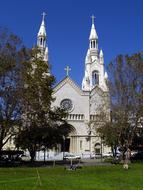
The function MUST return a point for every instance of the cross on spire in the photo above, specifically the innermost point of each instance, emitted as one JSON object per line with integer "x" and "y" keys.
{"x": 44, "y": 14}
{"x": 67, "y": 69}
{"x": 93, "y": 18}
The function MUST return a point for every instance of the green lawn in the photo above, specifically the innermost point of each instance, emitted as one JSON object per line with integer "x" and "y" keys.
{"x": 87, "y": 178}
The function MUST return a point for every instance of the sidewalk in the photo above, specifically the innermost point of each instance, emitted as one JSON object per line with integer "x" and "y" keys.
{"x": 93, "y": 162}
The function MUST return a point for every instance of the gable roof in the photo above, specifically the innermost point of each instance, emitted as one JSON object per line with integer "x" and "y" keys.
{"x": 68, "y": 80}
{"x": 99, "y": 90}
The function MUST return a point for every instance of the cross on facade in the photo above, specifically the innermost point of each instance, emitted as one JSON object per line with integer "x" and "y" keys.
{"x": 44, "y": 14}
{"x": 93, "y": 18}
{"x": 67, "y": 69}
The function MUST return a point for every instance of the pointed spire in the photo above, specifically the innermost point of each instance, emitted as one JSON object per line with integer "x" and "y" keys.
{"x": 42, "y": 30}
{"x": 101, "y": 53}
{"x": 101, "y": 57}
{"x": 41, "y": 37}
{"x": 93, "y": 33}
{"x": 106, "y": 75}
{"x": 46, "y": 54}
{"x": 88, "y": 58}
{"x": 42, "y": 44}
{"x": 94, "y": 63}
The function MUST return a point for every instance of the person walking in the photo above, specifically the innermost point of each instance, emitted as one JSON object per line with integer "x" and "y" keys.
{"x": 126, "y": 159}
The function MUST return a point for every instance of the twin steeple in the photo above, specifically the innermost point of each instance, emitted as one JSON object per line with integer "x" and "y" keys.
{"x": 42, "y": 39}
{"x": 94, "y": 63}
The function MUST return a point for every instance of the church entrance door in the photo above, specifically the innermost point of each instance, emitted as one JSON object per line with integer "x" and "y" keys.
{"x": 65, "y": 146}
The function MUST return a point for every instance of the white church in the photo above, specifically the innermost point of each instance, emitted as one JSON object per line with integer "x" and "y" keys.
{"x": 82, "y": 103}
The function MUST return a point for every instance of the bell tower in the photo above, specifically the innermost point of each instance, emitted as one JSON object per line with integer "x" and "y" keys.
{"x": 42, "y": 39}
{"x": 94, "y": 63}
{"x": 93, "y": 40}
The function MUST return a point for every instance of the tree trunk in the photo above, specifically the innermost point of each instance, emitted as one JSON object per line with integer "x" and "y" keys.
{"x": 1, "y": 138}
{"x": 32, "y": 155}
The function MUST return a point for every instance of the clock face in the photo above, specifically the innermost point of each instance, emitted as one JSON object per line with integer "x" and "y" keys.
{"x": 66, "y": 104}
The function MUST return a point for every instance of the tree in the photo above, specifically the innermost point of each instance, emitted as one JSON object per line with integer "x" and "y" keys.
{"x": 26, "y": 95}
{"x": 43, "y": 126}
{"x": 109, "y": 134}
{"x": 137, "y": 143}
{"x": 11, "y": 56}
{"x": 126, "y": 92}
{"x": 35, "y": 138}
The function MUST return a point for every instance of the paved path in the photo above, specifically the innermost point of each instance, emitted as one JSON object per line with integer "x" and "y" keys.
{"x": 93, "y": 162}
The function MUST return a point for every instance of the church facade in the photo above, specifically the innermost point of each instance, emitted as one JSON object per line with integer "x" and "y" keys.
{"x": 82, "y": 103}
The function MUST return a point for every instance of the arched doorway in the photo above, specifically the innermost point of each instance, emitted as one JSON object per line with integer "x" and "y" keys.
{"x": 97, "y": 148}
{"x": 67, "y": 144}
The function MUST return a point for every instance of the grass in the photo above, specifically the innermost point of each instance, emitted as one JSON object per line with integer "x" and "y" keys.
{"x": 87, "y": 178}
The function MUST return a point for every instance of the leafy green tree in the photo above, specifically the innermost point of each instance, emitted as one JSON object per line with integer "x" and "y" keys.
{"x": 109, "y": 134}
{"x": 43, "y": 125}
{"x": 11, "y": 56}
{"x": 35, "y": 138}
{"x": 126, "y": 92}
{"x": 137, "y": 143}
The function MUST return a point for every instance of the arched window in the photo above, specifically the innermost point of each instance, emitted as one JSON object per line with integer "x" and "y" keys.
{"x": 41, "y": 41}
{"x": 93, "y": 44}
{"x": 95, "y": 77}
{"x": 97, "y": 148}
{"x": 97, "y": 44}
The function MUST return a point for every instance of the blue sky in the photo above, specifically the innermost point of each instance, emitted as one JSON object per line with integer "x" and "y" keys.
{"x": 119, "y": 24}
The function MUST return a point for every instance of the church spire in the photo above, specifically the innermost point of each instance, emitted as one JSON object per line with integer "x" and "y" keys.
{"x": 93, "y": 33}
{"x": 93, "y": 38}
{"x": 41, "y": 39}
{"x": 101, "y": 57}
{"x": 94, "y": 63}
